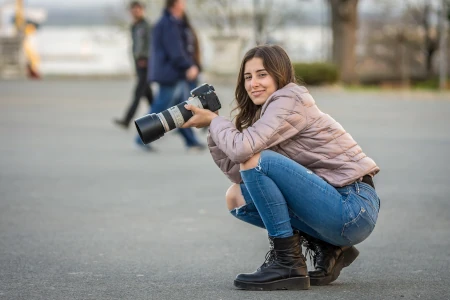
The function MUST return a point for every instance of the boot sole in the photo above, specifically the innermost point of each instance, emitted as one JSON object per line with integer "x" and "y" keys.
{"x": 345, "y": 260}
{"x": 295, "y": 283}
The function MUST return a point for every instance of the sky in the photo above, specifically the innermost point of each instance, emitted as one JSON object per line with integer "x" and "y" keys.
{"x": 365, "y": 5}
{"x": 87, "y": 3}
{"x": 70, "y": 2}
{"x": 66, "y": 3}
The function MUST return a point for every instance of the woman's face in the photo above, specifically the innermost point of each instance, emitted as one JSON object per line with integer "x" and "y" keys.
{"x": 180, "y": 5}
{"x": 258, "y": 83}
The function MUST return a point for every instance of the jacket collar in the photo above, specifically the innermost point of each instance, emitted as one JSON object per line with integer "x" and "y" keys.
{"x": 167, "y": 14}
{"x": 289, "y": 87}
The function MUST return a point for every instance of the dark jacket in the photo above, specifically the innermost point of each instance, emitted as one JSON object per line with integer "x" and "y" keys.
{"x": 140, "y": 35}
{"x": 169, "y": 52}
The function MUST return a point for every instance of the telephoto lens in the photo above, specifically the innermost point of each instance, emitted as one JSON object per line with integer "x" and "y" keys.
{"x": 153, "y": 126}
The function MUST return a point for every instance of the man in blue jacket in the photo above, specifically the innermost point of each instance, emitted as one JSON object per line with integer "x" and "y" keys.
{"x": 172, "y": 64}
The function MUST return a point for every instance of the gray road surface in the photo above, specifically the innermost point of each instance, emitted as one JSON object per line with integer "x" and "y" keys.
{"x": 85, "y": 215}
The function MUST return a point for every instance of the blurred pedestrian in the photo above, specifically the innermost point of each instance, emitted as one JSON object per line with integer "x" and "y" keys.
{"x": 140, "y": 34}
{"x": 296, "y": 172}
{"x": 31, "y": 54}
{"x": 175, "y": 64}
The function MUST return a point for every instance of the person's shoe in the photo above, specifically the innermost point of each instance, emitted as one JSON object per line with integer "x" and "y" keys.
{"x": 145, "y": 147}
{"x": 328, "y": 260}
{"x": 121, "y": 123}
{"x": 196, "y": 148}
{"x": 284, "y": 268}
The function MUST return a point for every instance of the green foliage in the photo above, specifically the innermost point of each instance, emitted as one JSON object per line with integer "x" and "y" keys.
{"x": 316, "y": 73}
{"x": 448, "y": 10}
{"x": 429, "y": 84}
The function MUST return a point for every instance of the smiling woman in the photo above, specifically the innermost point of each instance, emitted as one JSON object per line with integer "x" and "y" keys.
{"x": 258, "y": 82}
{"x": 263, "y": 71}
{"x": 296, "y": 172}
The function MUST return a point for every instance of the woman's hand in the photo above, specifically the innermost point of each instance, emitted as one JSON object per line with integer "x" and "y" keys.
{"x": 201, "y": 118}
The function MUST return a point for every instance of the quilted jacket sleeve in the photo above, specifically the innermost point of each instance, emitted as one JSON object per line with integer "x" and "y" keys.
{"x": 283, "y": 118}
{"x": 229, "y": 168}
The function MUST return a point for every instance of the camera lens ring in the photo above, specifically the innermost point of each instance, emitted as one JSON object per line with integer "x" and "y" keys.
{"x": 176, "y": 116}
{"x": 164, "y": 122}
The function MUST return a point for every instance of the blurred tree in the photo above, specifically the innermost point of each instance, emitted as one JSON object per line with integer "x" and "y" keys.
{"x": 393, "y": 54}
{"x": 426, "y": 17}
{"x": 222, "y": 15}
{"x": 231, "y": 17}
{"x": 269, "y": 16}
{"x": 443, "y": 44}
{"x": 261, "y": 13}
{"x": 392, "y": 47}
{"x": 239, "y": 24}
{"x": 400, "y": 42}
{"x": 344, "y": 22}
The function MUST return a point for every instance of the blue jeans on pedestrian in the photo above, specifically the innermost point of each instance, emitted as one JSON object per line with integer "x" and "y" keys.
{"x": 282, "y": 195}
{"x": 168, "y": 96}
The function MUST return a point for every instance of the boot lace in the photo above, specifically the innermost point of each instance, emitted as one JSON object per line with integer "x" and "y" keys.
{"x": 272, "y": 258}
{"x": 311, "y": 251}
{"x": 316, "y": 251}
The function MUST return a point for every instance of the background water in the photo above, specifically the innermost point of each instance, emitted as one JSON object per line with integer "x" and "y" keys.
{"x": 105, "y": 50}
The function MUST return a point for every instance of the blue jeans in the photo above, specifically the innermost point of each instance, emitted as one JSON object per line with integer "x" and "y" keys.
{"x": 168, "y": 96}
{"x": 282, "y": 195}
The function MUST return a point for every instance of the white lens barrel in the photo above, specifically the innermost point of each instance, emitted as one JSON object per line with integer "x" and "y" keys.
{"x": 176, "y": 116}
{"x": 195, "y": 102}
{"x": 163, "y": 122}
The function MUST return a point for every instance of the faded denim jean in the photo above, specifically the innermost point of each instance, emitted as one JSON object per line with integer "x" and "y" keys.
{"x": 282, "y": 195}
{"x": 168, "y": 96}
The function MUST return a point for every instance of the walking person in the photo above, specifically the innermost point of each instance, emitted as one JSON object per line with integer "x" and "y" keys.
{"x": 140, "y": 34}
{"x": 174, "y": 64}
{"x": 296, "y": 172}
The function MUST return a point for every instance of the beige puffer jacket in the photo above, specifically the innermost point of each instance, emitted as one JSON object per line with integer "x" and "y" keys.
{"x": 292, "y": 125}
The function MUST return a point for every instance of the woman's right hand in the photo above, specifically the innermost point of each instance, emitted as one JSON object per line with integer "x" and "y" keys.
{"x": 201, "y": 117}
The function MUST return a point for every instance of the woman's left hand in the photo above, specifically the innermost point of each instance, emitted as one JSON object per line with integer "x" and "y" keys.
{"x": 201, "y": 118}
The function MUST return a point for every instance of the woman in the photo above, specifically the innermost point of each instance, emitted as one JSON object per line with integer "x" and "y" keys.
{"x": 296, "y": 173}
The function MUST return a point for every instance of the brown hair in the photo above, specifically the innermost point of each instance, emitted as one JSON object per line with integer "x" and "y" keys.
{"x": 170, "y": 3}
{"x": 196, "y": 44}
{"x": 134, "y": 4}
{"x": 277, "y": 64}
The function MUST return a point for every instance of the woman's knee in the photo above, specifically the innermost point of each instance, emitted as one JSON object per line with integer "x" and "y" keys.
{"x": 251, "y": 163}
{"x": 234, "y": 197}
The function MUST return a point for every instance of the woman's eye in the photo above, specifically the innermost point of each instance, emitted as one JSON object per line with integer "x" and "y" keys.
{"x": 262, "y": 75}
{"x": 247, "y": 77}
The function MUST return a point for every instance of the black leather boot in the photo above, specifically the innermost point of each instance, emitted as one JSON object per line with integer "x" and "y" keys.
{"x": 284, "y": 268}
{"x": 328, "y": 260}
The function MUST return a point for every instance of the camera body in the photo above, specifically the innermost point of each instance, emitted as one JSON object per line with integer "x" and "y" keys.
{"x": 207, "y": 96}
{"x": 153, "y": 126}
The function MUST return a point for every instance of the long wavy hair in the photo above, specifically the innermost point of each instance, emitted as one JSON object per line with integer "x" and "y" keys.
{"x": 196, "y": 44}
{"x": 277, "y": 64}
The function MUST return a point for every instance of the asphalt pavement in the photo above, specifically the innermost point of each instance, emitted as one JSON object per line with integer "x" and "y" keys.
{"x": 84, "y": 214}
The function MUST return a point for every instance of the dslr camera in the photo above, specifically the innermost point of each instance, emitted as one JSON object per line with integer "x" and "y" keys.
{"x": 153, "y": 126}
